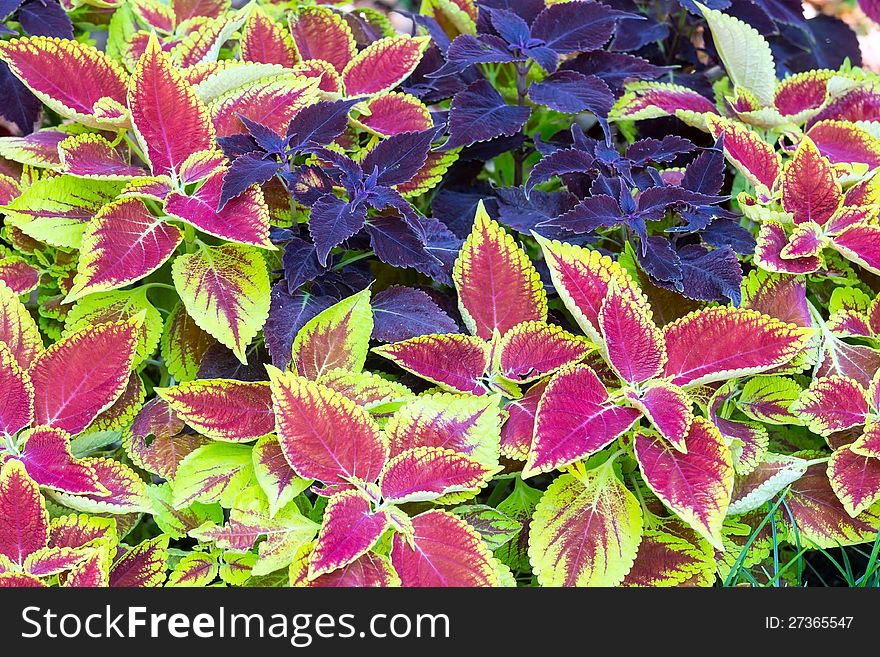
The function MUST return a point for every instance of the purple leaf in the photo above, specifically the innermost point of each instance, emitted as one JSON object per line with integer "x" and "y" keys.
{"x": 444, "y": 245}
{"x": 588, "y": 215}
{"x": 567, "y": 28}
{"x": 657, "y": 150}
{"x": 266, "y": 138}
{"x": 251, "y": 169}
{"x": 307, "y": 183}
{"x": 319, "y": 124}
{"x": 523, "y": 214}
{"x": 332, "y": 221}
{"x": 457, "y": 206}
{"x": 510, "y": 26}
{"x": 525, "y": 9}
{"x": 7, "y": 7}
{"x": 19, "y": 107}
{"x": 615, "y": 69}
{"x": 400, "y": 313}
{"x": 235, "y": 146}
{"x": 399, "y": 157}
{"x": 467, "y": 50}
{"x": 479, "y": 113}
{"x": 288, "y": 313}
{"x": 300, "y": 262}
{"x": 660, "y": 261}
{"x": 395, "y": 243}
{"x": 220, "y": 363}
{"x": 706, "y": 173}
{"x": 45, "y": 18}
{"x": 710, "y": 275}
{"x": 728, "y": 232}
{"x": 559, "y": 163}
{"x": 571, "y": 92}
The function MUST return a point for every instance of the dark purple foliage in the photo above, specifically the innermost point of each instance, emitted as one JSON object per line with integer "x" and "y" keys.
{"x": 400, "y": 313}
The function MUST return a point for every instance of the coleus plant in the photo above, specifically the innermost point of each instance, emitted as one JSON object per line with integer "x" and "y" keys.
{"x": 219, "y": 188}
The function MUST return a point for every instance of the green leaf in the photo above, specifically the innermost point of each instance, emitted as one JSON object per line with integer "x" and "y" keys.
{"x": 745, "y": 53}
{"x": 211, "y": 473}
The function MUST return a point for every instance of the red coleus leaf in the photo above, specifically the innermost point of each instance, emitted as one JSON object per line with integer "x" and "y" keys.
{"x": 126, "y": 491}
{"x": 583, "y": 277}
{"x": 324, "y": 435}
{"x": 18, "y": 330}
{"x": 801, "y": 92}
{"x": 81, "y": 375}
{"x": 532, "y": 350}
{"x": 76, "y": 531}
{"x": 89, "y": 155}
{"x": 427, "y": 473}
{"x": 697, "y": 485}
{"x": 222, "y": 409}
{"x": 271, "y": 101}
{"x": 806, "y": 241}
{"x": 635, "y": 346}
{"x": 443, "y": 551}
{"x": 498, "y": 287}
{"x": 169, "y": 119}
{"x": 265, "y": 41}
{"x": 274, "y": 474}
{"x": 771, "y": 242}
{"x": 648, "y": 100}
{"x": 723, "y": 343}
{"x": 69, "y": 77}
{"x": 456, "y": 362}
{"x": 855, "y": 479}
{"x": 843, "y": 142}
{"x": 516, "y": 434}
{"x": 383, "y": 64}
{"x": 809, "y": 189}
{"x": 122, "y": 244}
{"x": 860, "y": 243}
{"x": 17, "y": 401}
{"x": 244, "y": 219}
{"x": 46, "y": 457}
{"x": 323, "y": 34}
{"x": 832, "y": 403}
{"x": 24, "y": 521}
{"x": 672, "y": 556}
{"x": 668, "y": 408}
{"x": 141, "y": 566}
{"x": 394, "y": 113}
{"x": 744, "y": 149}
{"x": 350, "y": 528}
{"x": 52, "y": 561}
{"x": 18, "y": 275}
{"x": 575, "y": 418}
{"x": 93, "y": 572}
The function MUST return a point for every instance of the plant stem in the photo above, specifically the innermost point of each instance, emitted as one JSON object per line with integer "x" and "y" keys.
{"x": 519, "y": 155}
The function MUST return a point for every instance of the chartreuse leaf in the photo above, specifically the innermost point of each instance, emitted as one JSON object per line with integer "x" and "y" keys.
{"x": 183, "y": 344}
{"x": 274, "y": 474}
{"x": 498, "y": 287}
{"x": 585, "y": 530}
{"x": 119, "y": 306}
{"x": 194, "y": 569}
{"x": 225, "y": 289}
{"x": 213, "y": 472}
{"x": 57, "y": 210}
{"x": 337, "y": 338}
{"x": 672, "y": 556}
{"x": 370, "y": 570}
{"x": 141, "y": 566}
{"x": 769, "y": 398}
{"x": 745, "y": 53}
{"x": 469, "y": 425}
{"x": 18, "y": 329}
